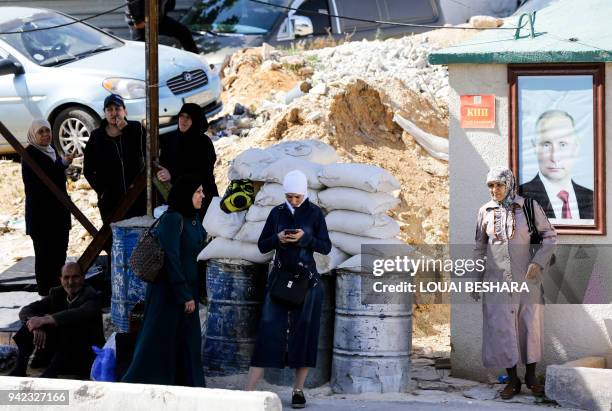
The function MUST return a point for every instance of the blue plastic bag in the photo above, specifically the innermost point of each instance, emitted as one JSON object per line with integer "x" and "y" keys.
{"x": 103, "y": 367}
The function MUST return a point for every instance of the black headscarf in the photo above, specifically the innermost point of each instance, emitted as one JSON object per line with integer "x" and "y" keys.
{"x": 181, "y": 195}
{"x": 199, "y": 123}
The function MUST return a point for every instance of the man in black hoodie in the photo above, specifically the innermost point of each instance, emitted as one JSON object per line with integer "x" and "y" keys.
{"x": 114, "y": 157}
{"x": 135, "y": 14}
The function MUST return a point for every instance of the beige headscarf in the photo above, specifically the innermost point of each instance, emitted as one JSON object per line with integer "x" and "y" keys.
{"x": 46, "y": 150}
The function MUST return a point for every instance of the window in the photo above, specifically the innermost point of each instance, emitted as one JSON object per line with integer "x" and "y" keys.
{"x": 369, "y": 10}
{"x": 415, "y": 11}
{"x": 320, "y": 22}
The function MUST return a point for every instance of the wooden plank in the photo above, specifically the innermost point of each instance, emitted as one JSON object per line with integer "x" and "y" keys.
{"x": 59, "y": 194}
{"x": 99, "y": 241}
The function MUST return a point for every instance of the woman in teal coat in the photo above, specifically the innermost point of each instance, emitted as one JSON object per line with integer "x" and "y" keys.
{"x": 169, "y": 344}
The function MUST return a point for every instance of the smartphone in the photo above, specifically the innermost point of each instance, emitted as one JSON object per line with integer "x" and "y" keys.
{"x": 291, "y": 231}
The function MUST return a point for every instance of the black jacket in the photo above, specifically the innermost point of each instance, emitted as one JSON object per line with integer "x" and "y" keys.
{"x": 112, "y": 164}
{"x": 310, "y": 219}
{"x": 43, "y": 210}
{"x": 182, "y": 155}
{"x": 83, "y": 314}
{"x": 535, "y": 189}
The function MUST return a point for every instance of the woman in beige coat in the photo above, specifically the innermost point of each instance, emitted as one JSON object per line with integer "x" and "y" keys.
{"x": 512, "y": 322}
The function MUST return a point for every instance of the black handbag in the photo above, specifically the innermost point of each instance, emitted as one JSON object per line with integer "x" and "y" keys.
{"x": 147, "y": 258}
{"x": 536, "y": 238}
{"x": 289, "y": 288}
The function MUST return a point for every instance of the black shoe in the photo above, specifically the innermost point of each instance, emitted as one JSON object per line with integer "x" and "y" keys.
{"x": 298, "y": 400}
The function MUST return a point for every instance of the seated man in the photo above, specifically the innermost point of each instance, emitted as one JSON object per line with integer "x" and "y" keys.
{"x": 64, "y": 325}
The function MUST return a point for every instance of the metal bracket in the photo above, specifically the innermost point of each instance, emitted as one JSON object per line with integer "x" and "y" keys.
{"x": 531, "y": 20}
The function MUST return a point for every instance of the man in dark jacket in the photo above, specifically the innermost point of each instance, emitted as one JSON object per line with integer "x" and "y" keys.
{"x": 64, "y": 325}
{"x": 167, "y": 25}
{"x": 114, "y": 157}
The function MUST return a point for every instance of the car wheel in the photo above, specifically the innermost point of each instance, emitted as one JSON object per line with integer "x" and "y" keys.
{"x": 72, "y": 128}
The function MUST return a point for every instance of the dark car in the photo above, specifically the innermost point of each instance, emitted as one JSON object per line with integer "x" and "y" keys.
{"x": 221, "y": 27}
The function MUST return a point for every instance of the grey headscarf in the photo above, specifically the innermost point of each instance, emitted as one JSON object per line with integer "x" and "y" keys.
{"x": 505, "y": 176}
{"x": 504, "y": 227}
{"x": 46, "y": 150}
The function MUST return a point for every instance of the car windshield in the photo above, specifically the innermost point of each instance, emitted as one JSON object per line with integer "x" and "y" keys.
{"x": 55, "y": 46}
{"x": 234, "y": 16}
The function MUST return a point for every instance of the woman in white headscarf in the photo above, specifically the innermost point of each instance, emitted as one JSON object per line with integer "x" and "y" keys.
{"x": 512, "y": 322}
{"x": 295, "y": 229}
{"x": 47, "y": 219}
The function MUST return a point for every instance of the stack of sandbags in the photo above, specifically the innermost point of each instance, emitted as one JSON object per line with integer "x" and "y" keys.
{"x": 224, "y": 228}
{"x": 356, "y": 201}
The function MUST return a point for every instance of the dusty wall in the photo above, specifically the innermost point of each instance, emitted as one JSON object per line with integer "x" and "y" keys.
{"x": 571, "y": 331}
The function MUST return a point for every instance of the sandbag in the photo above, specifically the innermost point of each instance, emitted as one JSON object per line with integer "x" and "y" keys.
{"x": 250, "y": 164}
{"x": 367, "y": 225}
{"x": 315, "y": 151}
{"x": 234, "y": 250}
{"x": 364, "y": 177}
{"x": 326, "y": 263}
{"x": 258, "y": 213}
{"x": 218, "y": 223}
{"x": 352, "y": 199}
{"x": 276, "y": 172}
{"x": 351, "y": 244}
{"x": 272, "y": 194}
{"x": 360, "y": 263}
{"x": 250, "y": 232}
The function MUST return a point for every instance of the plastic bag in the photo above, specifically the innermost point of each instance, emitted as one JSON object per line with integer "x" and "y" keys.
{"x": 103, "y": 367}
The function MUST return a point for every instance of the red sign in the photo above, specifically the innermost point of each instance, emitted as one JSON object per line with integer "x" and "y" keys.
{"x": 478, "y": 111}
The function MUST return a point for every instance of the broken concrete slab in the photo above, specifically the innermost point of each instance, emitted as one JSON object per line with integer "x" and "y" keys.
{"x": 481, "y": 393}
{"x": 459, "y": 383}
{"x": 433, "y": 385}
{"x": 425, "y": 374}
{"x": 580, "y": 387}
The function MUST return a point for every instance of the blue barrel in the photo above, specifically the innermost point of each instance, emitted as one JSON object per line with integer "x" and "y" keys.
{"x": 235, "y": 297}
{"x": 126, "y": 288}
{"x": 321, "y": 373}
{"x": 372, "y": 342}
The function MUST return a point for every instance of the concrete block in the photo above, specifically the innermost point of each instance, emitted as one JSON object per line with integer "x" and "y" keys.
{"x": 107, "y": 396}
{"x": 580, "y": 387}
{"x": 587, "y": 362}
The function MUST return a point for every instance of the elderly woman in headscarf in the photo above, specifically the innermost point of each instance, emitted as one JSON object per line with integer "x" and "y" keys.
{"x": 513, "y": 322}
{"x": 47, "y": 219}
{"x": 295, "y": 229}
{"x": 189, "y": 150}
{"x": 169, "y": 343}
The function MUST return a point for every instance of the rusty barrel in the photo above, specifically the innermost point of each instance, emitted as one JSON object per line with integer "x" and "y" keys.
{"x": 372, "y": 342}
{"x": 235, "y": 297}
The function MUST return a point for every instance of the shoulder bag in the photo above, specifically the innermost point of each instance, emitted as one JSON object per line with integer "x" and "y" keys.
{"x": 289, "y": 288}
{"x": 147, "y": 258}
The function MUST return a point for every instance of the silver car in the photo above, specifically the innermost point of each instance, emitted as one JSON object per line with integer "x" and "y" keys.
{"x": 63, "y": 75}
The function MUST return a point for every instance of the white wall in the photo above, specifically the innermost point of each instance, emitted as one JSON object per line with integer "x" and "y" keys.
{"x": 571, "y": 331}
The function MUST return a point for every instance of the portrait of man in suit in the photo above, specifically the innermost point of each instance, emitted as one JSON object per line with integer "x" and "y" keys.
{"x": 557, "y": 145}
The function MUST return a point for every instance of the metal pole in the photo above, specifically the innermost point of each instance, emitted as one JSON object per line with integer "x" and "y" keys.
{"x": 152, "y": 79}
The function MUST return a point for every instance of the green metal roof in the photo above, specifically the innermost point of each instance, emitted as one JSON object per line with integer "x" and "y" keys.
{"x": 568, "y": 31}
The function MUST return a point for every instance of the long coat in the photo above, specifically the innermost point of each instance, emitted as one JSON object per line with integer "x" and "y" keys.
{"x": 43, "y": 210}
{"x": 512, "y": 323}
{"x": 169, "y": 344}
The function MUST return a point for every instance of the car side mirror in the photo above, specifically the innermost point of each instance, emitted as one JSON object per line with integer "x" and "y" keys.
{"x": 302, "y": 26}
{"x": 8, "y": 66}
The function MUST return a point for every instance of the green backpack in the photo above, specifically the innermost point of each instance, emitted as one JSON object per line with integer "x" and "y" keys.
{"x": 239, "y": 196}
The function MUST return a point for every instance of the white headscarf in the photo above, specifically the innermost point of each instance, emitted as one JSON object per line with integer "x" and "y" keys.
{"x": 295, "y": 182}
{"x": 46, "y": 150}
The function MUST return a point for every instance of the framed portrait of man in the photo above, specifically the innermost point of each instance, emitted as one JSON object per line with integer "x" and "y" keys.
{"x": 557, "y": 142}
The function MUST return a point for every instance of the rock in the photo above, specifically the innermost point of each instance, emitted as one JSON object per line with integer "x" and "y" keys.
{"x": 425, "y": 374}
{"x": 460, "y": 383}
{"x": 306, "y": 71}
{"x": 579, "y": 387}
{"x": 294, "y": 61}
{"x": 422, "y": 361}
{"x": 319, "y": 90}
{"x": 433, "y": 385}
{"x": 485, "y": 22}
{"x": 269, "y": 65}
{"x": 314, "y": 116}
{"x": 244, "y": 122}
{"x": 481, "y": 393}
{"x": 267, "y": 51}
{"x": 239, "y": 109}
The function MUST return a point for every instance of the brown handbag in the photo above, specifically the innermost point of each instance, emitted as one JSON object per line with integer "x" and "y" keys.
{"x": 147, "y": 258}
